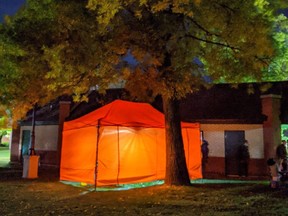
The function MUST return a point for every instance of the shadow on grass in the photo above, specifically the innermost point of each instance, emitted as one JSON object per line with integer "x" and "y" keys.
{"x": 281, "y": 192}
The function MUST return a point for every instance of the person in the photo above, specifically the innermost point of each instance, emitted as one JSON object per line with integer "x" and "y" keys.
{"x": 281, "y": 154}
{"x": 205, "y": 153}
{"x": 244, "y": 157}
{"x": 274, "y": 173}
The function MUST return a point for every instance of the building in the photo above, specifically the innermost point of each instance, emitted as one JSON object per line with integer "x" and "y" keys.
{"x": 227, "y": 117}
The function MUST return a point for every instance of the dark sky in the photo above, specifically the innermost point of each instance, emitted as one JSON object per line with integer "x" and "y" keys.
{"x": 9, "y": 7}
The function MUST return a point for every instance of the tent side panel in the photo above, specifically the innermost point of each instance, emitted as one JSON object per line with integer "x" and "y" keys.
{"x": 79, "y": 155}
{"x": 138, "y": 161}
{"x": 161, "y": 153}
{"x": 131, "y": 155}
{"x": 108, "y": 156}
{"x": 192, "y": 146}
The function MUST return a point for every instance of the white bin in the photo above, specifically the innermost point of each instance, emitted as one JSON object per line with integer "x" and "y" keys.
{"x": 30, "y": 166}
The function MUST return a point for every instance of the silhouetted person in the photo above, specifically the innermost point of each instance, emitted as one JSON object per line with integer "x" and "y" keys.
{"x": 205, "y": 153}
{"x": 281, "y": 154}
{"x": 244, "y": 158}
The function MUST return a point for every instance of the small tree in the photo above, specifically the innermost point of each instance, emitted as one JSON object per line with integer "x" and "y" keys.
{"x": 2, "y": 134}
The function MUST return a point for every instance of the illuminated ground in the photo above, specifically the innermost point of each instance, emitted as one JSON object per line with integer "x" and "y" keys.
{"x": 48, "y": 196}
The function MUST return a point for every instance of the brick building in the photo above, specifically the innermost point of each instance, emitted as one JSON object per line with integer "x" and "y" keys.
{"x": 227, "y": 117}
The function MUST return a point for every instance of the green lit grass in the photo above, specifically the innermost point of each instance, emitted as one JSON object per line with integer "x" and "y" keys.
{"x": 90, "y": 187}
{"x": 4, "y": 156}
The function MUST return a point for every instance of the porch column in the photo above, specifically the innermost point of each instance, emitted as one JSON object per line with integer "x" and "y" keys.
{"x": 272, "y": 126}
{"x": 64, "y": 111}
{"x": 15, "y": 147}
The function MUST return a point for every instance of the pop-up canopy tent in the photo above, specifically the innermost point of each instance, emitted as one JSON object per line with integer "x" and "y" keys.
{"x": 122, "y": 142}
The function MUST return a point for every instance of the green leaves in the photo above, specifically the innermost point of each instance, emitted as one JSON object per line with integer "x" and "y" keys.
{"x": 231, "y": 39}
{"x": 106, "y": 9}
{"x": 278, "y": 68}
{"x": 42, "y": 53}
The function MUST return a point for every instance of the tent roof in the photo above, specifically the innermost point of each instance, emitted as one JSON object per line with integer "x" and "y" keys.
{"x": 122, "y": 113}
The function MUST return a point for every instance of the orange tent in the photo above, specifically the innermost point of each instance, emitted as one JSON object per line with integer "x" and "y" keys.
{"x": 122, "y": 142}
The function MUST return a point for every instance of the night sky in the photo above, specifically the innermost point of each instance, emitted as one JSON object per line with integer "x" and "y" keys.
{"x": 9, "y": 7}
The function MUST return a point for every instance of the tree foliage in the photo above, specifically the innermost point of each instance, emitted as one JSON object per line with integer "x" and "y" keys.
{"x": 23, "y": 86}
{"x": 278, "y": 68}
{"x": 55, "y": 47}
{"x": 51, "y": 48}
{"x": 224, "y": 41}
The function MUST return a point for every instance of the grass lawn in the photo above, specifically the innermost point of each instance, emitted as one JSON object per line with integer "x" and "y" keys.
{"x": 47, "y": 196}
{"x": 4, "y": 156}
{"x": 44, "y": 196}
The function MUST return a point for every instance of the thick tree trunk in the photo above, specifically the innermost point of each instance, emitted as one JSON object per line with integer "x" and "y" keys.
{"x": 176, "y": 168}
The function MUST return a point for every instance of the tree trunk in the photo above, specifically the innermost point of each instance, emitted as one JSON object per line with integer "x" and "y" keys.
{"x": 176, "y": 167}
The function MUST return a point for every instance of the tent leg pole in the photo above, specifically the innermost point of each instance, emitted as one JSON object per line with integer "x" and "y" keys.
{"x": 118, "y": 137}
{"x": 96, "y": 163}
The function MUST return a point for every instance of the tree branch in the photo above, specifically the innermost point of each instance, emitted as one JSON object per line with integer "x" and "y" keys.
{"x": 201, "y": 27}
{"x": 265, "y": 61}
{"x": 227, "y": 8}
{"x": 213, "y": 42}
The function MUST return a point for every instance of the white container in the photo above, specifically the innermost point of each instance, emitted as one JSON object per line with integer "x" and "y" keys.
{"x": 30, "y": 166}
